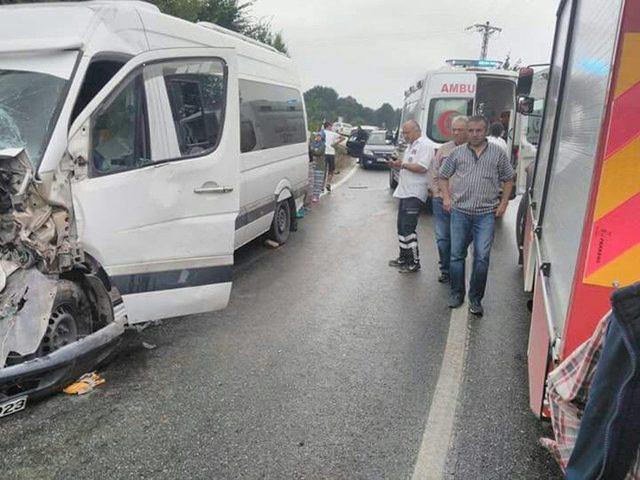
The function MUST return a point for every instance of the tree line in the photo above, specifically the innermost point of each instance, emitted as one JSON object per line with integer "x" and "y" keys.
{"x": 324, "y": 104}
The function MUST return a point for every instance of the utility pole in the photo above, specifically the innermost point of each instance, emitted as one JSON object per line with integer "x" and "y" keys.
{"x": 486, "y": 29}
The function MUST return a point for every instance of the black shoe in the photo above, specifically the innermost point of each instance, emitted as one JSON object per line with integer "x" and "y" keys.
{"x": 409, "y": 268}
{"x": 475, "y": 308}
{"x": 455, "y": 302}
{"x": 443, "y": 277}
{"x": 397, "y": 262}
{"x": 328, "y": 187}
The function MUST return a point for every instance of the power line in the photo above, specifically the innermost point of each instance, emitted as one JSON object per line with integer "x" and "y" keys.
{"x": 486, "y": 29}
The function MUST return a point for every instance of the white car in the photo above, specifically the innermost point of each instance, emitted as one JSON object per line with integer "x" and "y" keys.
{"x": 342, "y": 128}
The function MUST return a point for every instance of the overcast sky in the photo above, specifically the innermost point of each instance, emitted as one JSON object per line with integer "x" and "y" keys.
{"x": 374, "y": 49}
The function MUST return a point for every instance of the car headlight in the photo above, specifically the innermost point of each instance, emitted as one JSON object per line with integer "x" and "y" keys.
{"x": 367, "y": 151}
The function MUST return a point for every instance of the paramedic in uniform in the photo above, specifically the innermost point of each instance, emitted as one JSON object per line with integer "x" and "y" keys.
{"x": 413, "y": 184}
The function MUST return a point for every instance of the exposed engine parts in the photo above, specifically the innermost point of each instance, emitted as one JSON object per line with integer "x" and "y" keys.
{"x": 33, "y": 231}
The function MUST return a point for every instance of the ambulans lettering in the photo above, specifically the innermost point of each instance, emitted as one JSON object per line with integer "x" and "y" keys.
{"x": 469, "y": 88}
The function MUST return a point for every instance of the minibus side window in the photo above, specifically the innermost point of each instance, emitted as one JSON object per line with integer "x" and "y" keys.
{"x": 119, "y": 133}
{"x": 270, "y": 116}
{"x": 441, "y": 112}
{"x": 97, "y": 76}
{"x": 196, "y": 92}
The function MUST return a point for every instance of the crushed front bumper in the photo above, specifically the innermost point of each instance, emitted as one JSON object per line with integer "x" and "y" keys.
{"x": 45, "y": 375}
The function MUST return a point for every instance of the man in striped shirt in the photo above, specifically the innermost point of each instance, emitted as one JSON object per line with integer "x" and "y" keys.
{"x": 478, "y": 170}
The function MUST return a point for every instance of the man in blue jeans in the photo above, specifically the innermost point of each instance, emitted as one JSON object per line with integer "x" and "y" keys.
{"x": 478, "y": 170}
{"x": 441, "y": 217}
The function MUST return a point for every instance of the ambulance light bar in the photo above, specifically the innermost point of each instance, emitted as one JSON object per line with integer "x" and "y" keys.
{"x": 474, "y": 63}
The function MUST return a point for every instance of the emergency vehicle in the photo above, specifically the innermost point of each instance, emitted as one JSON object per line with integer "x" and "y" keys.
{"x": 582, "y": 235}
{"x": 462, "y": 87}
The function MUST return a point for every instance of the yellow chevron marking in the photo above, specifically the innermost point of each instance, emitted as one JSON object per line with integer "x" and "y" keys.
{"x": 620, "y": 179}
{"x": 629, "y": 73}
{"x": 623, "y": 270}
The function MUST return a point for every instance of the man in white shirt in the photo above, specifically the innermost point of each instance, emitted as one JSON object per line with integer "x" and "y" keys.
{"x": 331, "y": 138}
{"x": 413, "y": 184}
{"x": 495, "y": 136}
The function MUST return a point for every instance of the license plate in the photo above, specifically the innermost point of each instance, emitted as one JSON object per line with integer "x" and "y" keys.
{"x": 13, "y": 406}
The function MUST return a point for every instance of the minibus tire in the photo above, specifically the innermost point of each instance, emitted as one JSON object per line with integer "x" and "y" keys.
{"x": 70, "y": 318}
{"x": 281, "y": 224}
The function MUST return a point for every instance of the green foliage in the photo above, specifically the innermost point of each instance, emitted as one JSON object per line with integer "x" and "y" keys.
{"x": 232, "y": 14}
{"x": 323, "y": 103}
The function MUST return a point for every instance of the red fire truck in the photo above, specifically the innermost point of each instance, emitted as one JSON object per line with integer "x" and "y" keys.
{"x": 582, "y": 226}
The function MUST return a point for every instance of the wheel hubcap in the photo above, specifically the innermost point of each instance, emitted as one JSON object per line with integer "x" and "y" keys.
{"x": 62, "y": 330}
{"x": 282, "y": 219}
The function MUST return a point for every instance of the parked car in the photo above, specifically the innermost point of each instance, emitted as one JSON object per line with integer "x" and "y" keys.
{"x": 377, "y": 150}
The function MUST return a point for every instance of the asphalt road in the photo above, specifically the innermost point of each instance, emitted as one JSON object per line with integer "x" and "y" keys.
{"x": 323, "y": 366}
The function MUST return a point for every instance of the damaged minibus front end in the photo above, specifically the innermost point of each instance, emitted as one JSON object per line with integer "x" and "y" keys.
{"x": 56, "y": 310}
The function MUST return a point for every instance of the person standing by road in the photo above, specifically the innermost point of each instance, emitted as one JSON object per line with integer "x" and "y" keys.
{"x": 477, "y": 170}
{"x": 331, "y": 138}
{"x": 442, "y": 218}
{"x": 317, "y": 167}
{"x": 413, "y": 184}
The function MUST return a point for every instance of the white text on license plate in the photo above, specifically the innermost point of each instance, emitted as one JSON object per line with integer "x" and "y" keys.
{"x": 12, "y": 406}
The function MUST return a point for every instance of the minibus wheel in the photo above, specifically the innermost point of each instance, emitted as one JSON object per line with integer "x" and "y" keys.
{"x": 70, "y": 318}
{"x": 281, "y": 225}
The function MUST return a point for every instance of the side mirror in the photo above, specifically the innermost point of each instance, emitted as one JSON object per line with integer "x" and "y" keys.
{"x": 525, "y": 105}
{"x": 525, "y": 81}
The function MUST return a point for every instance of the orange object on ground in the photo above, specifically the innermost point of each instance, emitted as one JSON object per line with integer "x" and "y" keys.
{"x": 84, "y": 384}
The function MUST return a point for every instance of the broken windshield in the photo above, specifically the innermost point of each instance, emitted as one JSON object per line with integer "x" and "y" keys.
{"x": 31, "y": 89}
{"x": 28, "y": 105}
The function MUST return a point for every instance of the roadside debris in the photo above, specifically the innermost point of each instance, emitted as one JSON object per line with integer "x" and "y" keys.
{"x": 85, "y": 384}
{"x": 271, "y": 244}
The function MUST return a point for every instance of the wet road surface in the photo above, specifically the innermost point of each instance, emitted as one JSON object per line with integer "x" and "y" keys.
{"x": 323, "y": 366}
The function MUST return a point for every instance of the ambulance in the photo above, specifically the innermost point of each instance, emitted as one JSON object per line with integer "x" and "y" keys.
{"x": 462, "y": 87}
{"x": 582, "y": 228}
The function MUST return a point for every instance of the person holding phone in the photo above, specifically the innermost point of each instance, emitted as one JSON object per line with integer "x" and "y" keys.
{"x": 413, "y": 184}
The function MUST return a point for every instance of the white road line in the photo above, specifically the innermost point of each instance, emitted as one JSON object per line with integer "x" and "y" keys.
{"x": 344, "y": 179}
{"x": 438, "y": 432}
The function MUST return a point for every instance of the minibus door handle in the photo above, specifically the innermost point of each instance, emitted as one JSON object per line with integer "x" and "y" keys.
{"x": 212, "y": 187}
